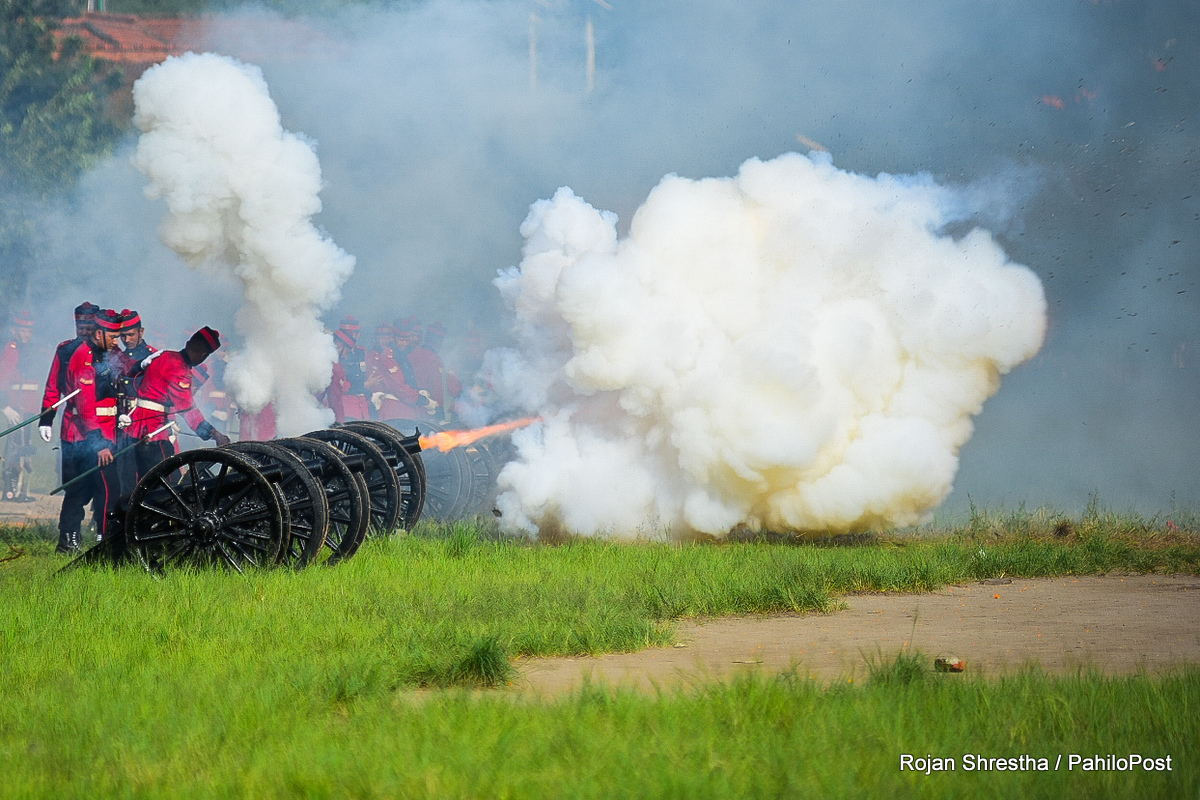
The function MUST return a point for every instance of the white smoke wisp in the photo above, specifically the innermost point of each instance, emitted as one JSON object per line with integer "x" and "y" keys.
{"x": 796, "y": 348}
{"x": 240, "y": 193}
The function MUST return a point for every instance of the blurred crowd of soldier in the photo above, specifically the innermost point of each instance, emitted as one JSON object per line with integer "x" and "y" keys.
{"x": 121, "y": 400}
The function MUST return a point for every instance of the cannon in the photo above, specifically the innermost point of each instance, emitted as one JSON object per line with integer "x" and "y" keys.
{"x": 287, "y": 502}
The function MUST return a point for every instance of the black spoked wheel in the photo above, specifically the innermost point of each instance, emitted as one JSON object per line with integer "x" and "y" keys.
{"x": 382, "y": 485}
{"x": 348, "y": 511}
{"x": 445, "y": 472}
{"x": 460, "y": 480}
{"x": 410, "y": 473}
{"x": 303, "y": 496}
{"x": 481, "y": 477}
{"x": 202, "y": 508}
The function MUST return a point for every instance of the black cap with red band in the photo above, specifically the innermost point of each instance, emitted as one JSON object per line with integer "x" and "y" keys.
{"x": 109, "y": 320}
{"x": 86, "y": 312}
{"x": 206, "y": 338}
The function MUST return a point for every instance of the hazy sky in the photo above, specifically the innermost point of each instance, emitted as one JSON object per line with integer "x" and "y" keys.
{"x": 1070, "y": 121}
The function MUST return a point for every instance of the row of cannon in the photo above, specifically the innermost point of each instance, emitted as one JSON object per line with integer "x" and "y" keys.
{"x": 290, "y": 502}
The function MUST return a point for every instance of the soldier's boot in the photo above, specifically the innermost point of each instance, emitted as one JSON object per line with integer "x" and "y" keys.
{"x": 68, "y": 543}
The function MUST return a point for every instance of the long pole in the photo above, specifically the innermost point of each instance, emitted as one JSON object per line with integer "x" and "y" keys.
{"x": 589, "y": 36}
{"x": 38, "y": 416}
{"x": 124, "y": 449}
{"x": 533, "y": 65}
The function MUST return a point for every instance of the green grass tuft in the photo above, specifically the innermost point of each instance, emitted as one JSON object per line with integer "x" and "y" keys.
{"x": 904, "y": 669}
{"x": 485, "y": 664}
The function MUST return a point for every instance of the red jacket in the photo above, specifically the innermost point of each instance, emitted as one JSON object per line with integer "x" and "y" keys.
{"x": 432, "y": 376}
{"x": 90, "y": 415}
{"x": 164, "y": 393}
{"x": 57, "y": 380}
{"x": 340, "y": 398}
{"x": 15, "y": 389}
{"x": 390, "y": 393}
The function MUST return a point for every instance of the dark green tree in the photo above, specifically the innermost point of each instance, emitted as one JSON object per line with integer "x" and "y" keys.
{"x": 53, "y": 125}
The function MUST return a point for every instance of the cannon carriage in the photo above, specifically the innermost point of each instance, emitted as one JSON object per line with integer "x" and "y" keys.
{"x": 288, "y": 502}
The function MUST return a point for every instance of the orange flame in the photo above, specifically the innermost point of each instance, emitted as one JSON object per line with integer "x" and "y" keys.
{"x": 448, "y": 440}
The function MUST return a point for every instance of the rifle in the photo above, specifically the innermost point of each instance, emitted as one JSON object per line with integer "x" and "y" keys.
{"x": 123, "y": 450}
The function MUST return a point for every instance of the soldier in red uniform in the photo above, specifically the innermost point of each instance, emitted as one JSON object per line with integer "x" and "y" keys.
{"x": 133, "y": 336}
{"x": 76, "y": 496}
{"x": 127, "y": 374}
{"x": 432, "y": 376}
{"x": 19, "y": 398}
{"x": 347, "y": 400}
{"x": 390, "y": 380}
{"x": 85, "y": 322}
{"x": 90, "y": 429}
{"x": 353, "y": 359}
{"x": 165, "y": 391}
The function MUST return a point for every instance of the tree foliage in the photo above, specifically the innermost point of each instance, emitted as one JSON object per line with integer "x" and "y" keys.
{"x": 53, "y": 122}
{"x": 53, "y": 126}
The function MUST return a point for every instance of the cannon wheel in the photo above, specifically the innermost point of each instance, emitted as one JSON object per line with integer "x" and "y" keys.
{"x": 382, "y": 485}
{"x": 410, "y": 471}
{"x": 303, "y": 496}
{"x": 344, "y": 491}
{"x": 204, "y": 507}
{"x": 460, "y": 480}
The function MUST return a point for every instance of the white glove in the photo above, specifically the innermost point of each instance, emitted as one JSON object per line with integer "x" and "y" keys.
{"x": 14, "y": 418}
{"x": 146, "y": 361}
{"x": 46, "y": 431}
{"x": 124, "y": 421}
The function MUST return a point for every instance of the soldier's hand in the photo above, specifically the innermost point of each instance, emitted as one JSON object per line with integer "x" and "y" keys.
{"x": 146, "y": 361}
{"x": 220, "y": 438}
{"x": 106, "y": 457}
{"x": 124, "y": 421}
{"x": 430, "y": 404}
{"x": 14, "y": 417}
{"x": 46, "y": 431}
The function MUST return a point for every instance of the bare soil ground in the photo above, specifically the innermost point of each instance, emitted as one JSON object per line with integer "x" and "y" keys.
{"x": 43, "y": 509}
{"x": 1113, "y": 623}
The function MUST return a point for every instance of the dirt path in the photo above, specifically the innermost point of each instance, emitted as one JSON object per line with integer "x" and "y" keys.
{"x": 1114, "y": 623}
{"x": 42, "y": 510}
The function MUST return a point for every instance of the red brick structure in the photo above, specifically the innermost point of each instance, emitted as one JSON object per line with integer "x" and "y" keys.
{"x": 138, "y": 42}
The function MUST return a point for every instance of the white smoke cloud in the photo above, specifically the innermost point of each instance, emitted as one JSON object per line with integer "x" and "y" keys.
{"x": 240, "y": 193}
{"x": 798, "y": 347}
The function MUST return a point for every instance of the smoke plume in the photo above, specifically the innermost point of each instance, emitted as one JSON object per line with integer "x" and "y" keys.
{"x": 240, "y": 193}
{"x": 798, "y": 347}
{"x": 438, "y": 129}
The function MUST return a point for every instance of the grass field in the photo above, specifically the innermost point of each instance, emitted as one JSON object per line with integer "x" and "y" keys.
{"x": 278, "y": 684}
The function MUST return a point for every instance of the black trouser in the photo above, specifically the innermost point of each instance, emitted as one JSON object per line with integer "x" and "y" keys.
{"x": 139, "y": 459}
{"x": 148, "y": 455}
{"x": 78, "y": 494}
{"x": 102, "y": 487}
